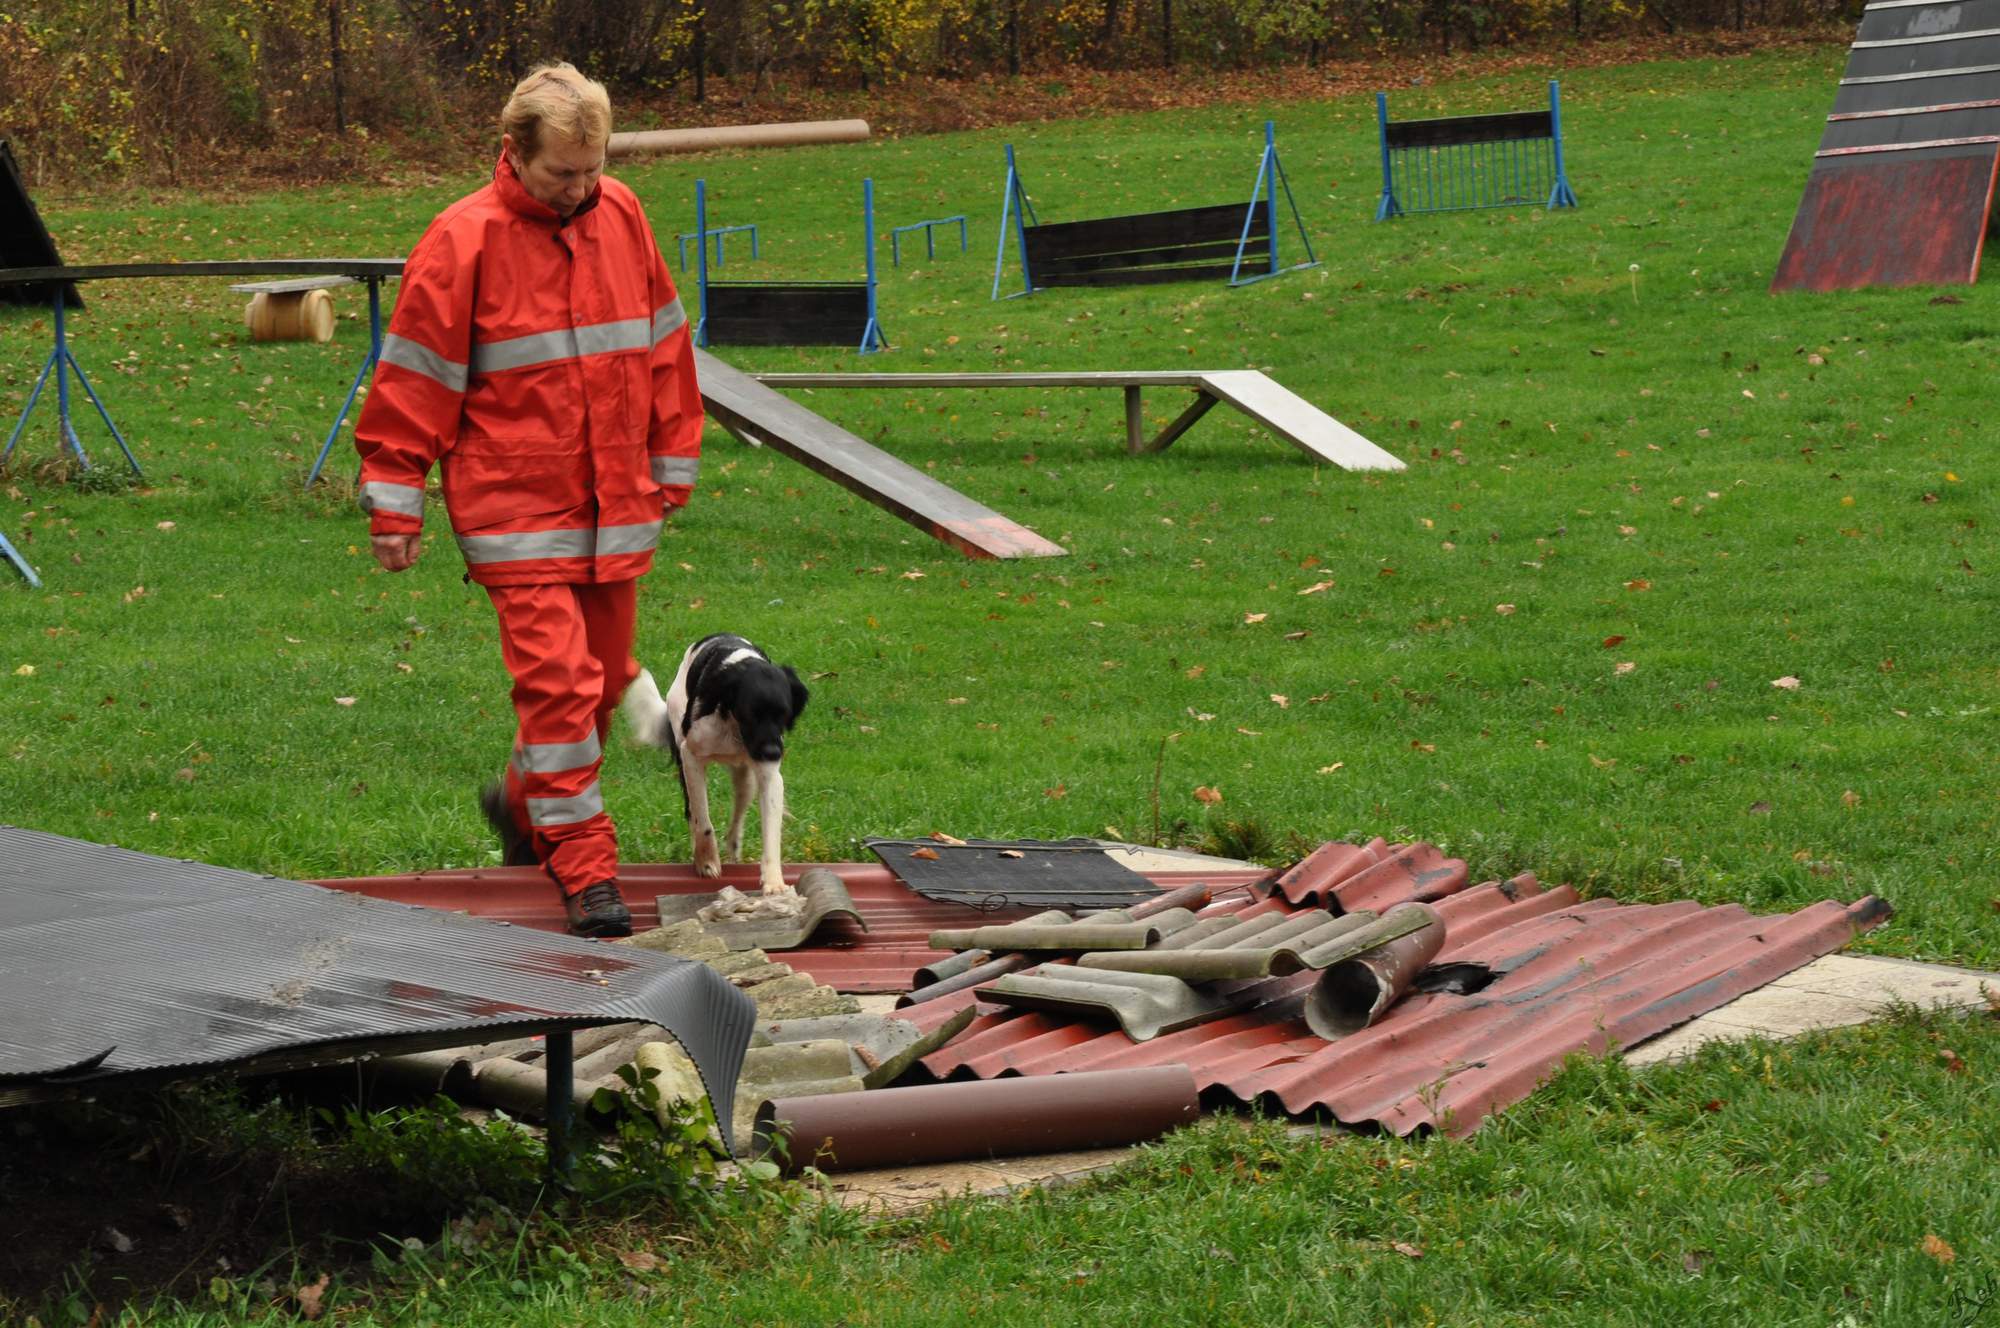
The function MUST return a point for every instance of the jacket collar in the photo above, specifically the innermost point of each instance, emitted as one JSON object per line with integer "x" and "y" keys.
{"x": 518, "y": 200}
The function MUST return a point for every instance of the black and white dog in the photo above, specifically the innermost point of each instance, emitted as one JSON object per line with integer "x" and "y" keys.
{"x": 728, "y": 704}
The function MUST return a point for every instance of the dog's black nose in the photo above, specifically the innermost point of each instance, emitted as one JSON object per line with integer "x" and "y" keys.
{"x": 769, "y": 751}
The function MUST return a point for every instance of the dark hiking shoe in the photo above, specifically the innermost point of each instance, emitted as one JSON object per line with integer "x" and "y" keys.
{"x": 516, "y": 849}
{"x": 598, "y": 910}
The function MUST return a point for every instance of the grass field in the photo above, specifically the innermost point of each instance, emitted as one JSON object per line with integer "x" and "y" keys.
{"x": 1640, "y": 491}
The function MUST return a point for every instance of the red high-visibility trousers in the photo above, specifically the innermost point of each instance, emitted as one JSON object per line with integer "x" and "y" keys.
{"x": 569, "y": 651}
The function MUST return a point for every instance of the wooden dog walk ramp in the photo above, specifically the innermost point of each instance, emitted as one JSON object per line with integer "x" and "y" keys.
{"x": 1271, "y": 404}
{"x": 758, "y": 415}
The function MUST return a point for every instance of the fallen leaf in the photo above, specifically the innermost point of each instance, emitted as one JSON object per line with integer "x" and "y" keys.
{"x": 1255, "y": 617}
{"x": 1010, "y": 853}
{"x": 1208, "y": 795}
{"x": 1760, "y": 808}
{"x": 25, "y": 671}
{"x": 955, "y": 700}
{"x": 1639, "y": 583}
{"x": 1612, "y": 642}
{"x": 1059, "y": 791}
{"x": 1418, "y": 745}
{"x": 1850, "y": 799}
{"x": 943, "y": 838}
{"x": 927, "y": 854}
{"x": 1787, "y": 683}
{"x": 1329, "y": 769}
{"x": 1713, "y": 1104}
{"x": 1628, "y": 530}
{"x": 1600, "y": 762}
{"x": 1503, "y": 609}
{"x": 1297, "y": 636}
{"x": 639, "y": 1261}
{"x": 1197, "y": 670}
{"x": 913, "y": 575}
{"x": 1407, "y": 1250}
{"x": 311, "y": 1297}
{"x": 136, "y": 592}
{"x": 1201, "y": 716}
{"x": 1935, "y": 1247}
{"x": 163, "y": 525}
{"x": 1316, "y": 587}
{"x": 343, "y": 700}
{"x": 1623, "y": 667}
{"x": 1249, "y": 733}
{"x": 1951, "y": 1060}
{"x": 1282, "y": 702}
{"x": 1695, "y": 1260}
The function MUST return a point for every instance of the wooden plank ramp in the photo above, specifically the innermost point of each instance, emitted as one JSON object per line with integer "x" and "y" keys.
{"x": 1270, "y": 403}
{"x": 758, "y": 415}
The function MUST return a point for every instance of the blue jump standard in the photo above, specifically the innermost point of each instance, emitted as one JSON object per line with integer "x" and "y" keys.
{"x": 62, "y": 361}
{"x": 361, "y": 375}
{"x": 719, "y": 232}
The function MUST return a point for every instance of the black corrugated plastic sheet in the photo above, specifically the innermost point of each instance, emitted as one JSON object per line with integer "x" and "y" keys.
{"x": 119, "y": 963}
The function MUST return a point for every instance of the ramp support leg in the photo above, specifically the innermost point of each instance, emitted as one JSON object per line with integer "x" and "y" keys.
{"x": 1202, "y": 404}
{"x": 1135, "y": 423}
{"x": 559, "y": 1055}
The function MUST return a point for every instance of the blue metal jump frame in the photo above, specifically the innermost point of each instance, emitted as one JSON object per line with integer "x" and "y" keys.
{"x": 896, "y": 234}
{"x": 13, "y": 555}
{"x": 681, "y": 242}
{"x": 1449, "y": 183}
{"x": 62, "y": 360}
{"x": 1270, "y": 175}
{"x": 1014, "y": 202}
{"x": 368, "y": 363}
{"x": 872, "y": 338}
{"x": 871, "y": 335}
{"x": 1560, "y": 195}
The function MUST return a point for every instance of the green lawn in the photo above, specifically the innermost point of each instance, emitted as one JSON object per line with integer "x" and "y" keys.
{"x": 1685, "y": 489}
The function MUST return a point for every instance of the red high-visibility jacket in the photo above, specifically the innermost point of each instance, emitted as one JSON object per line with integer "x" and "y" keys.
{"x": 548, "y": 368}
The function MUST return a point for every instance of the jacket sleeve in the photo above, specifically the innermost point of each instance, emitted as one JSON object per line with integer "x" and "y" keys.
{"x": 413, "y": 409}
{"x": 673, "y": 435}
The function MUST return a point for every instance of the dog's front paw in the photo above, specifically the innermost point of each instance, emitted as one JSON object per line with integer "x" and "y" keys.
{"x": 707, "y": 862}
{"x": 771, "y": 881}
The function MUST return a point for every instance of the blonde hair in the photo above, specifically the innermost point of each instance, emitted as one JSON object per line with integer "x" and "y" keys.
{"x": 558, "y": 98}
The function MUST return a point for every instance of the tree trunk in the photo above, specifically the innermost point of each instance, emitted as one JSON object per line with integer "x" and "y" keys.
{"x": 1013, "y": 36}
{"x": 1167, "y": 32}
{"x": 333, "y": 46}
{"x": 700, "y": 56}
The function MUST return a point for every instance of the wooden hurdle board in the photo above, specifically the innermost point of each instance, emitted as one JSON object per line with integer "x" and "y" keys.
{"x": 1144, "y": 248}
{"x": 1902, "y": 186}
{"x": 1459, "y": 162}
{"x": 1186, "y": 244}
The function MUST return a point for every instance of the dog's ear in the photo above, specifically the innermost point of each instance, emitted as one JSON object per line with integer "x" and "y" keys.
{"x": 799, "y": 695}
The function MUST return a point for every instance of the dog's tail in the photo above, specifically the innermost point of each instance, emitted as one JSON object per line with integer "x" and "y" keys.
{"x": 646, "y": 710}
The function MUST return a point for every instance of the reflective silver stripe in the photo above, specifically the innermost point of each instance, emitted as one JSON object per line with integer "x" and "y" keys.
{"x": 668, "y": 319}
{"x": 676, "y": 470}
{"x": 403, "y": 499}
{"x": 627, "y": 539}
{"x": 564, "y": 343}
{"x": 525, "y": 544}
{"x": 549, "y": 758}
{"x": 566, "y": 811}
{"x": 419, "y": 358}
{"x": 522, "y": 545}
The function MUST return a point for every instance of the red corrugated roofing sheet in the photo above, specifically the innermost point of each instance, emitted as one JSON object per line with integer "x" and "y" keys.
{"x": 1570, "y": 976}
{"x": 881, "y": 959}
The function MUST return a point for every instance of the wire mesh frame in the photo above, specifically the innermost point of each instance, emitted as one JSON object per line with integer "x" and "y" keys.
{"x": 1462, "y": 177}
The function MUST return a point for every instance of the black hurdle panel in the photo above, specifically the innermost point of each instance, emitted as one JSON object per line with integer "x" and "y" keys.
{"x": 25, "y": 241}
{"x": 1456, "y": 130}
{"x": 1146, "y": 247}
{"x": 806, "y": 313}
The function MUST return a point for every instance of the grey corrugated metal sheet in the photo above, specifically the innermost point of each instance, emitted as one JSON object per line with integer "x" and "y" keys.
{"x": 115, "y": 963}
{"x": 1565, "y": 976}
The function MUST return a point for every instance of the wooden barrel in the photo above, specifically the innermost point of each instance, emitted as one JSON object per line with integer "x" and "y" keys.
{"x": 294, "y": 316}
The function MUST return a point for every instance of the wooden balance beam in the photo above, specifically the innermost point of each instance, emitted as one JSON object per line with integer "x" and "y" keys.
{"x": 1268, "y": 402}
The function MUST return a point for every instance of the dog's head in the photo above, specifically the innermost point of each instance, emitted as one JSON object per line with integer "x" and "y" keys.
{"x": 767, "y": 700}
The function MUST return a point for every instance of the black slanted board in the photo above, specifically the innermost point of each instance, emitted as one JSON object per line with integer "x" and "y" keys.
{"x": 25, "y": 241}
{"x": 1457, "y": 130}
{"x": 1072, "y": 873}
{"x": 1180, "y": 245}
